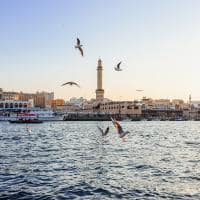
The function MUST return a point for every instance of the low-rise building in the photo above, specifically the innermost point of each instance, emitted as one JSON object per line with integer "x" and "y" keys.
{"x": 195, "y": 104}
{"x": 14, "y": 105}
{"x": 41, "y": 99}
{"x": 57, "y": 102}
{"x": 121, "y": 108}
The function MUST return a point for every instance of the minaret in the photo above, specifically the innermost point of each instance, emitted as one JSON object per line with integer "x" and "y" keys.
{"x": 99, "y": 90}
{"x": 190, "y": 98}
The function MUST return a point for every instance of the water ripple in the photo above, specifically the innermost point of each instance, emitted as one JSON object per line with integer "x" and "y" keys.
{"x": 71, "y": 160}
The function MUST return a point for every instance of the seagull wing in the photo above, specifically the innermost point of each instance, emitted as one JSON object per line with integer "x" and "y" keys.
{"x": 112, "y": 120}
{"x": 75, "y": 84}
{"x": 118, "y": 65}
{"x": 123, "y": 134}
{"x": 106, "y": 131}
{"x": 101, "y": 130}
{"x": 70, "y": 83}
{"x": 117, "y": 126}
{"x": 81, "y": 50}
{"x": 65, "y": 83}
{"x": 118, "y": 69}
{"x": 78, "y": 42}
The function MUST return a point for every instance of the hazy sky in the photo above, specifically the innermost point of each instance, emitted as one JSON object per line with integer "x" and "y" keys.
{"x": 158, "y": 42}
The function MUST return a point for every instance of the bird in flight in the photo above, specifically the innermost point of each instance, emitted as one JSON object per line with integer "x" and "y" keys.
{"x": 79, "y": 46}
{"x": 104, "y": 133}
{"x": 28, "y": 129}
{"x": 117, "y": 68}
{"x": 71, "y": 83}
{"x": 120, "y": 131}
{"x": 139, "y": 90}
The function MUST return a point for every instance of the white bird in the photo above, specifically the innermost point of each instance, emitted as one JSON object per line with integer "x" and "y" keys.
{"x": 118, "y": 67}
{"x": 119, "y": 128}
{"x": 79, "y": 46}
{"x": 104, "y": 133}
{"x": 28, "y": 129}
{"x": 71, "y": 83}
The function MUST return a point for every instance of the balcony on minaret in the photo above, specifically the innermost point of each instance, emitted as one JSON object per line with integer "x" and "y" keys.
{"x": 99, "y": 64}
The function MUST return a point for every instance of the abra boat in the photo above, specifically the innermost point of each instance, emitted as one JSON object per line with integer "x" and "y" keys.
{"x": 22, "y": 121}
{"x": 26, "y": 118}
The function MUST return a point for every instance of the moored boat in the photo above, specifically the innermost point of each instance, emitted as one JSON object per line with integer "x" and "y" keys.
{"x": 26, "y": 118}
{"x": 22, "y": 121}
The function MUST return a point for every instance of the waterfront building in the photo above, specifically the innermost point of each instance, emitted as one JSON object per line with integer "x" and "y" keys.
{"x": 10, "y": 96}
{"x": 49, "y": 96}
{"x": 77, "y": 101}
{"x": 41, "y": 99}
{"x": 121, "y": 108}
{"x": 179, "y": 104}
{"x": 66, "y": 108}
{"x": 162, "y": 104}
{"x": 99, "y": 90}
{"x": 147, "y": 103}
{"x": 89, "y": 106}
{"x": 14, "y": 105}
{"x": 25, "y": 96}
{"x": 195, "y": 104}
{"x": 57, "y": 102}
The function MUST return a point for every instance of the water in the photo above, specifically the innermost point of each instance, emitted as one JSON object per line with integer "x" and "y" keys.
{"x": 70, "y": 160}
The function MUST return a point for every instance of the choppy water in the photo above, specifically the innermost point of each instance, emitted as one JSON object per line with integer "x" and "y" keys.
{"x": 70, "y": 160}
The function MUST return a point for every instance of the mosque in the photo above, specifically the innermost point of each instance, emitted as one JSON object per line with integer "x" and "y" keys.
{"x": 112, "y": 107}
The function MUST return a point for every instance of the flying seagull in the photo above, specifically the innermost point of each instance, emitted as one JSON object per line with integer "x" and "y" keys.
{"x": 71, "y": 83}
{"x": 139, "y": 90}
{"x": 119, "y": 128}
{"x": 118, "y": 67}
{"x": 79, "y": 46}
{"x": 28, "y": 129}
{"x": 104, "y": 133}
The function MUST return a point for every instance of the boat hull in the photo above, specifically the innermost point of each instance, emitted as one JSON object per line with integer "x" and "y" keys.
{"x": 26, "y": 121}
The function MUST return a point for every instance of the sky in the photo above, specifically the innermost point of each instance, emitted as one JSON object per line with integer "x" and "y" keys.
{"x": 157, "y": 41}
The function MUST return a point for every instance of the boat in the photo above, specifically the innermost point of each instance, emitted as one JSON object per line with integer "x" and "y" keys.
{"x": 42, "y": 114}
{"x": 26, "y": 118}
{"x": 46, "y": 115}
{"x": 24, "y": 121}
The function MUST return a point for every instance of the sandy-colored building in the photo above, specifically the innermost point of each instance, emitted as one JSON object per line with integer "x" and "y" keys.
{"x": 12, "y": 96}
{"x": 120, "y": 107}
{"x": 25, "y": 96}
{"x": 57, "y": 102}
{"x": 40, "y": 99}
{"x": 178, "y": 103}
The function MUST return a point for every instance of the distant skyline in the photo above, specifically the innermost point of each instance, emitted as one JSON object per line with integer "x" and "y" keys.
{"x": 157, "y": 41}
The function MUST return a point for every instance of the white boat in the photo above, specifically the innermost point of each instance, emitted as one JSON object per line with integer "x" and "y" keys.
{"x": 42, "y": 114}
{"x": 46, "y": 115}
